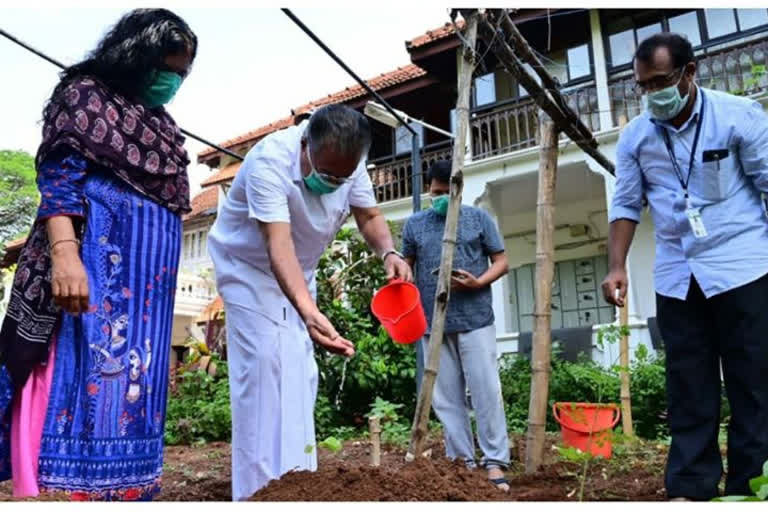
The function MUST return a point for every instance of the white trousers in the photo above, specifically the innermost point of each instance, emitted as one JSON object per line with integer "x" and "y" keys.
{"x": 273, "y": 387}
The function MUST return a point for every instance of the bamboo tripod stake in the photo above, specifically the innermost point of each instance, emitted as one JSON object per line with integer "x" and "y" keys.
{"x": 424, "y": 402}
{"x": 545, "y": 268}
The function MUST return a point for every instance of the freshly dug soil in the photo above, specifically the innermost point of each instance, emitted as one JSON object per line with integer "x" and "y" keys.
{"x": 203, "y": 473}
{"x": 348, "y": 476}
{"x": 423, "y": 480}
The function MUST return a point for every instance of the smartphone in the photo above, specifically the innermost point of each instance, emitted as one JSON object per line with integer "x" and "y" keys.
{"x": 453, "y": 272}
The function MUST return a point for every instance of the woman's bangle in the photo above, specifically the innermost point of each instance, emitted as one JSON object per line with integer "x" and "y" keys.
{"x": 57, "y": 242}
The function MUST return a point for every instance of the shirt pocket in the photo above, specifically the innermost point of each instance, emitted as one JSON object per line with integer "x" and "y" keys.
{"x": 714, "y": 179}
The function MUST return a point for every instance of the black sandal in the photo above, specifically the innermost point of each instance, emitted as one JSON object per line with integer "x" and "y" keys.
{"x": 499, "y": 481}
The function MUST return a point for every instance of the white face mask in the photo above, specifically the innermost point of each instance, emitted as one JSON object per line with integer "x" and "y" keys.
{"x": 665, "y": 104}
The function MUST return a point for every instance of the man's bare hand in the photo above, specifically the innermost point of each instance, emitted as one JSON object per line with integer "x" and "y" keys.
{"x": 324, "y": 334}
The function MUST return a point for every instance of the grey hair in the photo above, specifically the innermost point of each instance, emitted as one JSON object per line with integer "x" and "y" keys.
{"x": 341, "y": 129}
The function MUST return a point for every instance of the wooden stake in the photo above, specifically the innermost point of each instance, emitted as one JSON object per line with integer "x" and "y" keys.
{"x": 548, "y": 99}
{"x": 545, "y": 267}
{"x": 374, "y": 426}
{"x": 424, "y": 401}
{"x": 626, "y": 402}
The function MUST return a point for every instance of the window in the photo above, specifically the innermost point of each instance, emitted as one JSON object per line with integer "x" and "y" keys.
{"x": 578, "y": 62}
{"x": 647, "y": 31}
{"x": 403, "y": 138}
{"x": 485, "y": 90}
{"x": 529, "y": 69}
{"x": 751, "y": 18}
{"x": 192, "y": 239}
{"x": 622, "y": 47}
{"x": 186, "y": 246}
{"x": 454, "y": 120}
{"x": 720, "y": 22}
{"x": 688, "y": 25}
{"x": 202, "y": 244}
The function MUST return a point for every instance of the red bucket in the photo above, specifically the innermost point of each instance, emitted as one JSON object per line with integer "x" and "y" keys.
{"x": 398, "y": 308}
{"x": 587, "y": 426}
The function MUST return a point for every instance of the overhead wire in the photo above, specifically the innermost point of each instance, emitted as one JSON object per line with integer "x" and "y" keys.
{"x": 60, "y": 65}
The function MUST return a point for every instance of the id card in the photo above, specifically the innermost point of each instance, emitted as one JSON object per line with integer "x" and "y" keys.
{"x": 697, "y": 225}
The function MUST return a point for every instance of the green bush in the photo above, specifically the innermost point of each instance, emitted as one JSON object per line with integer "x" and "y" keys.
{"x": 199, "y": 409}
{"x": 587, "y": 381}
{"x": 347, "y": 277}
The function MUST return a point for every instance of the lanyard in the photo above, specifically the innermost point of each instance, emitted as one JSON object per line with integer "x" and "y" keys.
{"x": 671, "y": 149}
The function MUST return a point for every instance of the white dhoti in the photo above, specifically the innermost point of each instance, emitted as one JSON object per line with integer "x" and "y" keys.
{"x": 273, "y": 382}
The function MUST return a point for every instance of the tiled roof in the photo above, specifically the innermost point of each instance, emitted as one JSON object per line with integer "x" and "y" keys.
{"x": 216, "y": 306}
{"x": 382, "y": 81}
{"x": 434, "y": 35}
{"x": 16, "y": 244}
{"x": 222, "y": 175}
{"x": 203, "y": 202}
{"x": 12, "y": 251}
{"x": 253, "y": 134}
{"x": 398, "y": 76}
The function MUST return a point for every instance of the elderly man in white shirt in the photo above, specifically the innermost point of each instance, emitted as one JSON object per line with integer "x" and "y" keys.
{"x": 293, "y": 192}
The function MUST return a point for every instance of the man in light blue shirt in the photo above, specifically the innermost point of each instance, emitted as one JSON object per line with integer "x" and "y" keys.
{"x": 700, "y": 159}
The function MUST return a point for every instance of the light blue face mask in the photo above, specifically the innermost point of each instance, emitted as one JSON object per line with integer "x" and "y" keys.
{"x": 315, "y": 182}
{"x": 666, "y": 103}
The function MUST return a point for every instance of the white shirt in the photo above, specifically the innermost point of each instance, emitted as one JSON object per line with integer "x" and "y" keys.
{"x": 269, "y": 188}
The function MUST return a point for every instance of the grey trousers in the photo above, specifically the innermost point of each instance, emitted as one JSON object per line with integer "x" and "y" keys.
{"x": 469, "y": 360}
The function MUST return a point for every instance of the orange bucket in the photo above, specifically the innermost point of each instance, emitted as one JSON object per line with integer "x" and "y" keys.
{"x": 587, "y": 426}
{"x": 398, "y": 308}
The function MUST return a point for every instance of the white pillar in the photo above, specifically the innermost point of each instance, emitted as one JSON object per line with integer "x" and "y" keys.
{"x": 498, "y": 289}
{"x": 601, "y": 73}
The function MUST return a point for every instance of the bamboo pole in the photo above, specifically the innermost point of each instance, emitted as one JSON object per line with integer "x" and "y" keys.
{"x": 625, "y": 395}
{"x": 626, "y": 401}
{"x": 374, "y": 426}
{"x": 545, "y": 97}
{"x": 424, "y": 401}
{"x": 545, "y": 267}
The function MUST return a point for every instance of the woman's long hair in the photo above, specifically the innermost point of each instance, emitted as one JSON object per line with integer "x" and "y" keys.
{"x": 137, "y": 44}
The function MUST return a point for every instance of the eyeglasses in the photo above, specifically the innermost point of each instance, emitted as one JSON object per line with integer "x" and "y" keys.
{"x": 658, "y": 82}
{"x": 333, "y": 180}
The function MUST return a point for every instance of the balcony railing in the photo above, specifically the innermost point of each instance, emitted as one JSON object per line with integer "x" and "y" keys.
{"x": 740, "y": 70}
{"x": 516, "y": 127}
{"x": 392, "y": 179}
{"x": 193, "y": 294}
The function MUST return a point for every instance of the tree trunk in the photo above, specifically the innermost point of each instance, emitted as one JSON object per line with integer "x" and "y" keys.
{"x": 545, "y": 266}
{"x": 424, "y": 402}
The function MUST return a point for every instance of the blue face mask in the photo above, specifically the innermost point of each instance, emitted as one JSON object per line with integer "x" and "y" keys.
{"x": 162, "y": 88}
{"x": 315, "y": 182}
{"x": 666, "y": 103}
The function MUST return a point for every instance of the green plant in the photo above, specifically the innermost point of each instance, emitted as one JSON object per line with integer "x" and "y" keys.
{"x": 19, "y": 196}
{"x": 348, "y": 275}
{"x": 758, "y": 485}
{"x": 199, "y": 409}
{"x": 394, "y": 428}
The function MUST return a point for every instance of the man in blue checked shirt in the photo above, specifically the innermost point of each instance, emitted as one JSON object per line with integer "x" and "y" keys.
{"x": 468, "y": 354}
{"x": 700, "y": 158}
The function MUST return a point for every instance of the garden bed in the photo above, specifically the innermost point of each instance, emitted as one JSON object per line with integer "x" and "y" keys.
{"x": 202, "y": 473}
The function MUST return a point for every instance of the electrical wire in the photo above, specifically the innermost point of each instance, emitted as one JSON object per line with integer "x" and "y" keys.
{"x": 62, "y": 66}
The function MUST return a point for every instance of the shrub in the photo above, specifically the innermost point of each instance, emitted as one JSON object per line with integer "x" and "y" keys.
{"x": 347, "y": 277}
{"x": 199, "y": 409}
{"x": 586, "y": 381}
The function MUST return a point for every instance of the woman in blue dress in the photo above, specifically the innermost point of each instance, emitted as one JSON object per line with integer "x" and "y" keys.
{"x": 84, "y": 345}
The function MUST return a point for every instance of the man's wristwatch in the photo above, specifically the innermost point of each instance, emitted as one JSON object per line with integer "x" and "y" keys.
{"x": 391, "y": 251}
